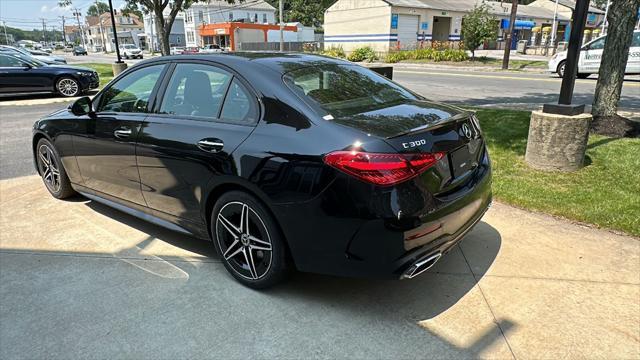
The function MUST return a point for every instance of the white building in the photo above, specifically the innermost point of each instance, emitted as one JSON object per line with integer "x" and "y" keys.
{"x": 219, "y": 11}
{"x": 176, "y": 36}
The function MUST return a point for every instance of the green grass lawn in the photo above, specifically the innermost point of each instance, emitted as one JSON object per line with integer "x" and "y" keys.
{"x": 487, "y": 62}
{"x": 606, "y": 192}
{"x": 104, "y": 71}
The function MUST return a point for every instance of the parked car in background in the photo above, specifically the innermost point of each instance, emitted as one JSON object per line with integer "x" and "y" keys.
{"x": 191, "y": 50}
{"x": 211, "y": 49}
{"x": 79, "y": 50}
{"x": 283, "y": 161}
{"x": 176, "y": 50}
{"x": 47, "y": 59}
{"x": 591, "y": 56}
{"x": 130, "y": 51}
{"x": 21, "y": 74}
{"x": 47, "y": 49}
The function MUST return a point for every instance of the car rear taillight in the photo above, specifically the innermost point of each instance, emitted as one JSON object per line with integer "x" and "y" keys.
{"x": 382, "y": 169}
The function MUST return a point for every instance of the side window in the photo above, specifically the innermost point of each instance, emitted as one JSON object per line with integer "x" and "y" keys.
{"x": 132, "y": 92}
{"x": 195, "y": 90}
{"x": 598, "y": 44}
{"x": 10, "y": 61}
{"x": 239, "y": 106}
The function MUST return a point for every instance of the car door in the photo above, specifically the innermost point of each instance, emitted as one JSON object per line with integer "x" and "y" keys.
{"x": 105, "y": 148}
{"x": 205, "y": 113}
{"x": 591, "y": 56}
{"x": 19, "y": 75}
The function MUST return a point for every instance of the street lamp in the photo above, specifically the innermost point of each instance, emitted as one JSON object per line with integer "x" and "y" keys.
{"x": 564, "y": 106}
{"x": 119, "y": 65}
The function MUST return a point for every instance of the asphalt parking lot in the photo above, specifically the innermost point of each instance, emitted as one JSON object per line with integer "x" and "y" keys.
{"x": 81, "y": 280}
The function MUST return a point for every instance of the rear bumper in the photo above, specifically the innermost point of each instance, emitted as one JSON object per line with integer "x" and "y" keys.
{"x": 338, "y": 234}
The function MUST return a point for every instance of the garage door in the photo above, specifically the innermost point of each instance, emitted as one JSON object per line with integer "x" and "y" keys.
{"x": 408, "y": 31}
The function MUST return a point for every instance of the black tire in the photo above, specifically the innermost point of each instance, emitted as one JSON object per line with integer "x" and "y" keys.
{"x": 243, "y": 249}
{"x": 48, "y": 160}
{"x": 561, "y": 68}
{"x": 68, "y": 87}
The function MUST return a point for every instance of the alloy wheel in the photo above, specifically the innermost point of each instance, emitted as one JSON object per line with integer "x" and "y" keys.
{"x": 49, "y": 168}
{"x": 244, "y": 240}
{"x": 68, "y": 87}
{"x": 561, "y": 69}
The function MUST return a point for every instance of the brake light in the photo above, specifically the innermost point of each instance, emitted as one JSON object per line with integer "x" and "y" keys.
{"x": 382, "y": 169}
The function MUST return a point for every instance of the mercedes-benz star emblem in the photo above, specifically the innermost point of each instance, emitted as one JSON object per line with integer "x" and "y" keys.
{"x": 466, "y": 130}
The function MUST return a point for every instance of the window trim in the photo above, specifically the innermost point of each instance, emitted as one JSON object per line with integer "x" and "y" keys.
{"x": 253, "y": 95}
{"x": 152, "y": 96}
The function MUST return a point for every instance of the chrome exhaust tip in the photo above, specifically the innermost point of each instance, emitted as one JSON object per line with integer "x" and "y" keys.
{"x": 421, "y": 266}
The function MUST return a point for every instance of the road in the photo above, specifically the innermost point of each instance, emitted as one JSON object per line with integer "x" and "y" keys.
{"x": 511, "y": 89}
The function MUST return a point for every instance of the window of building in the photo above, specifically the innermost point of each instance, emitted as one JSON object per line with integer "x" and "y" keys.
{"x": 230, "y": 16}
{"x": 264, "y": 18}
{"x": 200, "y": 16}
{"x": 190, "y": 36}
{"x": 255, "y": 17}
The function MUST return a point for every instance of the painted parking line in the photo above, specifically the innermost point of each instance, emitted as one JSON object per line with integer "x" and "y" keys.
{"x": 503, "y": 77}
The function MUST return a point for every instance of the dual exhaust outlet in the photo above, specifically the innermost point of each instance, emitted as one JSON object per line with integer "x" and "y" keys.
{"x": 421, "y": 266}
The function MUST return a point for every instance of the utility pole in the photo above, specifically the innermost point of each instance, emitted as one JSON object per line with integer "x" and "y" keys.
{"x": 64, "y": 32}
{"x": 280, "y": 11}
{"x": 77, "y": 13}
{"x": 509, "y": 35}
{"x": 115, "y": 33}
{"x": 554, "y": 28}
{"x": 606, "y": 13}
{"x": 153, "y": 24}
{"x": 102, "y": 41}
{"x": 44, "y": 31}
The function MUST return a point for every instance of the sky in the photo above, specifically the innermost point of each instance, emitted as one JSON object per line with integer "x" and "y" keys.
{"x": 27, "y": 14}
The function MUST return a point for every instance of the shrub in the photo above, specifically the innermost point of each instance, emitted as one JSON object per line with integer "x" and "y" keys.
{"x": 454, "y": 55}
{"x": 362, "y": 54}
{"x": 335, "y": 51}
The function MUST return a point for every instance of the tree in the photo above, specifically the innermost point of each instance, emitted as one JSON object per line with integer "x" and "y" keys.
{"x": 622, "y": 18}
{"x": 97, "y": 9}
{"x": 309, "y": 13}
{"x": 163, "y": 22}
{"x": 478, "y": 26}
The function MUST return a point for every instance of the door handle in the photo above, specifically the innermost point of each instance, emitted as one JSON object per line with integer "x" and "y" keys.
{"x": 122, "y": 133}
{"x": 210, "y": 145}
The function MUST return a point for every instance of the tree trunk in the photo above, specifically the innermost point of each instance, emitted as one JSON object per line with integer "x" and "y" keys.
{"x": 622, "y": 18}
{"x": 163, "y": 35}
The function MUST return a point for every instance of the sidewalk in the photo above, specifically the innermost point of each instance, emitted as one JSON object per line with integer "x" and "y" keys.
{"x": 513, "y": 55}
{"x": 81, "y": 280}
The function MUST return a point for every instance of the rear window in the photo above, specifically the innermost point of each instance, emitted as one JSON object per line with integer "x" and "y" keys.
{"x": 343, "y": 90}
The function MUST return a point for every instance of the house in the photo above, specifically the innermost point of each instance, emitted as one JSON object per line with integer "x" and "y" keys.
{"x": 220, "y": 11}
{"x": 408, "y": 24}
{"x": 73, "y": 34}
{"x": 99, "y": 33}
{"x": 176, "y": 36}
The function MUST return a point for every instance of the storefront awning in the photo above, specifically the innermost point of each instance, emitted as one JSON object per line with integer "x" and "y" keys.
{"x": 520, "y": 24}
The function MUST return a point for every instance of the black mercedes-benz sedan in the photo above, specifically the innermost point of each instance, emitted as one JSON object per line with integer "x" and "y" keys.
{"x": 283, "y": 161}
{"x": 21, "y": 74}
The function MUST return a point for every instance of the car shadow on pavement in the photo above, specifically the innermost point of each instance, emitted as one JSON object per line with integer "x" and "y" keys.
{"x": 186, "y": 242}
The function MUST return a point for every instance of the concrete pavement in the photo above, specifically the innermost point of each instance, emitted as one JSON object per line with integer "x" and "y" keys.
{"x": 78, "y": 280}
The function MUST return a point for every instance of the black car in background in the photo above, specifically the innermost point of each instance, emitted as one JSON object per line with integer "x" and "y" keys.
{"x": 283, "y": 161}
{"x": 79, "y": 50}
{"x": 23, "y": 74}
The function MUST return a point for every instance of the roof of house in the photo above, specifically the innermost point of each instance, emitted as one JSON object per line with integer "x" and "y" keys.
{"x": 105, "y": 19}
{"x": 495, "y": 7}
{"x": 572, "y": 4}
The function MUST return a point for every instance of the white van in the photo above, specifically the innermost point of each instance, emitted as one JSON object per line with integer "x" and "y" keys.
{"x": 591, "y": 55}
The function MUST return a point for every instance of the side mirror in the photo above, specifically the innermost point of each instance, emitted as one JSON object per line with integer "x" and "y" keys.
{"x": 82, "y": 106}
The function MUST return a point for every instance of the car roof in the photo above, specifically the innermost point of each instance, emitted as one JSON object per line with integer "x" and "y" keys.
{"x": 279, "y": 62}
